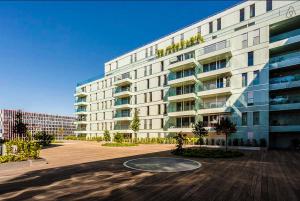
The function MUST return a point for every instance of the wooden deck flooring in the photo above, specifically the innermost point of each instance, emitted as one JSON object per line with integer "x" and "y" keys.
{"x": 272, "y": 175}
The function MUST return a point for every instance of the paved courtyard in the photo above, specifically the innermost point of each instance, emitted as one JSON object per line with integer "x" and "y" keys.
{"x": 88, "y": 171}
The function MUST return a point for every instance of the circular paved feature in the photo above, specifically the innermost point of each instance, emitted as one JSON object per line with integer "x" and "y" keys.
{"x": 162, "y": 164}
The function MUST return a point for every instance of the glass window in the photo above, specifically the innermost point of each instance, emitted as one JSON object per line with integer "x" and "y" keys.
{"x": 244, "y": 119}
{"x": 161, "y": 123}
{"x": 250, "y": 58}
{"x": 210, "y": 27}
{"x": 256, "y": 77}
{"x": 158, "y": 80}
{"x": 245, "y": 40}
{"x": 242, "y": 14}
{"x": 150, "y": 69}
{"x": 219, "y": 25}
{"x": 162, "y": 94}
{"x": 244, "y": 80}
{"x": 255, "y": 118}
{"x": 256, "y": 37}
{"x": 150, "y": 94}
{"x": 250, "y": 98}
{"x": 145, "y": 98}
{"x": 148, "y": 83}
{"x": 252, "y": 10}
{"x": 269, "y": 5}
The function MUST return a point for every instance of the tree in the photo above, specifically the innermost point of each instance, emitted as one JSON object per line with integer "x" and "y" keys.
{"x": 180, "y": 138}
{"x": 60, "y": 133}
{"x": 200, "y": 131}
{"x": 226, "y": 127}
{"x": 119, "y": 138}
{"x": 106, "y": 135}
{"x": 43, "y": 138}
{"x": 135, "y": 124}
{"x": 20, "y": 128}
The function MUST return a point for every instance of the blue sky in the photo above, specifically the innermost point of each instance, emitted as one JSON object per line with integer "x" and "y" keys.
{"x": 47, "y": 47}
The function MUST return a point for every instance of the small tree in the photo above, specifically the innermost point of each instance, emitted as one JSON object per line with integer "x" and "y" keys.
{"x": 106, "y": 135}
{"x": 20, "y": 128}
{"x": 43, "y": 138}
{"x": 200, "y": 131}
{"x": 60, "y": 133}
{"x": 180, "y": 138}
{"x": 135, "y": 124}
{"x": 118, "y": 138}
{"x": 226, "y": 127}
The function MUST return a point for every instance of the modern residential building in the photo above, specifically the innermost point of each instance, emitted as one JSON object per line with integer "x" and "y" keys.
{"x": 53, "y": 124}
{"x": 242, "y": 63}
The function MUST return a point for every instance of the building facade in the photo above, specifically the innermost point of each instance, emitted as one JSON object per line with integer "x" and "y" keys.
{"x": 241, "y": 63}
{"x": 53, "y": 124}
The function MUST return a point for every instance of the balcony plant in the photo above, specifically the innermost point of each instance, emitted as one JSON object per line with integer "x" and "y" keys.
{"x": 226, "y": 127}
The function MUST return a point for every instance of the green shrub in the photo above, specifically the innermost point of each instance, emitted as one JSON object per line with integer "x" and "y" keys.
{"x": 208, "y": 153}
{"x": 106, "y": 136}
{"x": 119, "y": 138}
{"x": 116, "y": 144}
{"x": 43, "y": 138}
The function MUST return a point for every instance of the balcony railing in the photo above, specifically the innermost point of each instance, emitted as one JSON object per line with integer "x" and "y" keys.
{"x": 122, "y": 127}
{"x": 285, "y": 99}
{"x": 211, "y": 86}
{"x": 215, "y": 65}
{"x": 81, "y": 119}
{"x": 122, "y": 102}
{"x": 122, "y": 77}
{"x": 285, "y": 57}
{"x": 80, "y": 110}
{"x": 181, "y": 74}
{"x": 184, "y": 90}
{"x": 214, "y": 104}
{"x": 122, "y": 114}
{"x": 285, "y": 35}
{"x": 182, "y": 108}
{"x": 215, "y": 47}
{"x": 285, "y": 79}
{"x": 182, "y": 57}
{"x": 80, "y": 100}
{"x": 122, "y": 89}
{"x": 183, "y": 125}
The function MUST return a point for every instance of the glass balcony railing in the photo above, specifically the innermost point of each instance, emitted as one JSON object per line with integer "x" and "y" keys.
{"x": 282, "y": 36}
{"x": 215, "y": 47}
{"x": 122, "y": 77}
{"x": 181, "y": 74}
{"x": 122, "y": 127}
{"x": 285, "y": 79}
{"x": 211, "y": 86}
{"x": 285, "y": 57}
{"x": 122, "y": 89}
{"x": 216, "y": 65}
{"x": 285, "y": 99}
{"x": 183, "y": 90}
{"x": 81, "y": 119}
{"x": 215, "y": 104}
{"x": 122, "y": 114}
{"x": 182, "y": 57}
{"x": 80, "y": 100}
{"x": 122, "y": 102}
{"x": 183, "y": 125}
{"x": 182, "y": 108}
{"x": 80, "y": 110}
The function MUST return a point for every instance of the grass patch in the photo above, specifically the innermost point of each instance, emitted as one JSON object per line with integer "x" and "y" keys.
{"x": 208, "y": 153}
{"x": 115, "y": 144}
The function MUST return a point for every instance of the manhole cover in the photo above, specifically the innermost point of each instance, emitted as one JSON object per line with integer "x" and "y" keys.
{"x": 162, "y": 164}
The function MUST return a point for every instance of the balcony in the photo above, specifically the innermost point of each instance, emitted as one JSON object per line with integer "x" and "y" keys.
{"x": 122, "y": 127}
{"x": 122, "y": 103}
{"x": 81, "y": 121}
{"x": 184, "y": 124}
{"x": 220, "y": 49}
{"x": 123, "y": 116}
{"x": 184, "y": 93}
{"x": 215, "y": 107}
{"x": 285, "y": 60}
{"x": 183, "y": 61}
{"x": 213, "y": 69}
{"x": 285, "y": 82}
{"x": 80, "y": 93}
{"x": 283, "y": 39}
{"x": 285, "y": 102}
{"x": 80, "y": 101}
{"x": 213, "y": 89}
{"x": 182, "y": 110}
{"x": 122, "y": 80}
{"x": 121, "y": 92}
{"x": 81, "y": 111}
{"x": 181, "y": 77}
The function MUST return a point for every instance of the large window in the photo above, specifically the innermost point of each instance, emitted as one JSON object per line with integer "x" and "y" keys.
{"x": 255, "y": 118}
{"x": 244, "y": 119}
{"x": 250, "y": 58}
{"x": 256, "y": 77}
{"x": 252, "y": 10}
{"x": 242, "y": 14}
{"x": 244, "y": 80}
{"x": 269, "y": 5}
{"x": 245, "y": 40}
{"x": 219, "y": 24}
{"x": 210, "y": 27}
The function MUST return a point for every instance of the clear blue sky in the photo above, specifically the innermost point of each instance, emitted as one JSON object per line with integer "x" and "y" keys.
{"x": 46, "y": 48}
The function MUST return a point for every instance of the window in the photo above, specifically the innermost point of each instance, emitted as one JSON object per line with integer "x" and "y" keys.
{"x": 158, "y": 81}
{"x": 135, "y": 74}
{"x": 244, "y": 119}
{"x": 148, "y": 83}
{"x": 255, "y": 118}
{"x": 256, "y": 37}
{"x": 145, "y": 97}
{"x": 172, "y": 41}
{"x": 165, "y": 108}
{"x": 150, "y": 123}
{"x": 158, "y": 109}
{"x": 151, "y": 51}
{"x": 145, "y": 124}
{"x": 245, "y": 40}
{"x": 117, "y": 64}
{"x": 250, "y": 58}
{"x": 146, "y": 52}
{"x": 252, "y": 10}
{"x": 162, "y": 94}
{"x": 161, "y": 123}
{"x": 135, "y": 58}
{"x": 256, "y": 77}
{"x": 145, "y": 71}
{"x": 135, "y": 99}
{"x": 242, "y": 14}
{"x": 131, "y": 58}
{"x": 250, "y": 98}
{"x": 148, "y": 110}
{"x": 165, "y": 80}
{"x": 150, "y": 96}
{"x": 269, "y": 5}
{"x": 244, "y": 80}
{"x": 199, "y": 30}
{"x": 150, "y": 69}
{"x": 210, "y": 27}
{"x": 182, "y": 36}
{"x": 162, "y": 66}
{"x": 219, "y": 25}
{"x": 135, "y": 88}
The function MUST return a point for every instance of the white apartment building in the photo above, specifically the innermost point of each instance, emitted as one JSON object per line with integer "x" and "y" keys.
{"x": 240, "y": 63}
